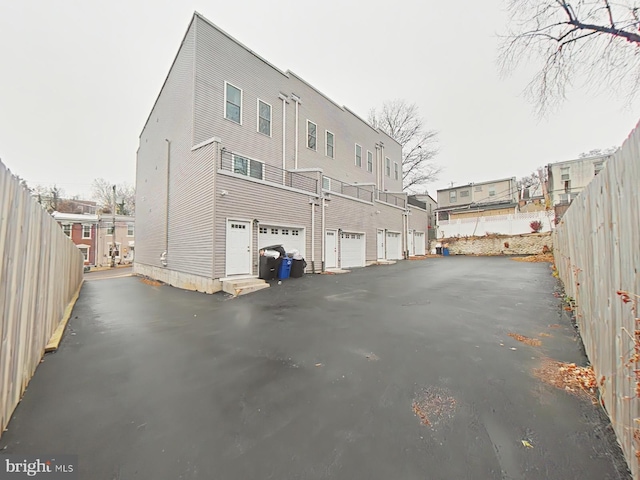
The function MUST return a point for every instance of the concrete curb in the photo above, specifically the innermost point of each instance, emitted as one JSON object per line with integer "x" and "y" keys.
{"x": 56, "y": 338}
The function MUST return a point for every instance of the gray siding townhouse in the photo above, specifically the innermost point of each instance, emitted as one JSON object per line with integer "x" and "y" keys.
{"x": 237, "y": 154}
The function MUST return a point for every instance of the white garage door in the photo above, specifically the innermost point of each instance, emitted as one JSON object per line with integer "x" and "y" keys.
{"x": 394, "y": 246}
{"x": 352, "y": 248}
{"x": 289, "y": 238}
{"x": 418, "y": 242}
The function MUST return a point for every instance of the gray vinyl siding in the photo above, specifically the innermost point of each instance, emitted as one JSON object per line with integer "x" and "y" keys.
{"x": 357, "y": 217}
{"x": 348, "y": 129}
{"x": 418, "y": 219}
{"x": 191, "y": 213}
{"x": 171, "y": 118}
{"x": 220, "y": 59}
{"x": 247, "y": 200}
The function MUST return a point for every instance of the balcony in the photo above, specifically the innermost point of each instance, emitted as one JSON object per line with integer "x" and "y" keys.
{"x": 261, "y": 171}
{"x": 361, "y": 192}
{"x": 397, "y": 199}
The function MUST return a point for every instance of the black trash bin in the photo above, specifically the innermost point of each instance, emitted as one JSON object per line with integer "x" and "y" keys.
{"x": 297, "y": 268}
{"x": 438, "y": 250}
{"x": 268, "y": 267}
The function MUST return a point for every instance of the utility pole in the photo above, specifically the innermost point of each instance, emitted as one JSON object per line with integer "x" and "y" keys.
{"x": 113, "y": 236}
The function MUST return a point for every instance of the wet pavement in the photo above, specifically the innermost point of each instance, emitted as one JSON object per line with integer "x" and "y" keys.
{"x": 324, "y": 377}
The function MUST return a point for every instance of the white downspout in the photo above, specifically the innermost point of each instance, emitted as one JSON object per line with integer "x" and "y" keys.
{"x": 378, "y": 184}
{"x": 295, "y": 152}
{"x": 284, "y": 137}
{"x": 384, "y": 164}
{"x": 313, "y": 234}
{"x": 323, "y": 233}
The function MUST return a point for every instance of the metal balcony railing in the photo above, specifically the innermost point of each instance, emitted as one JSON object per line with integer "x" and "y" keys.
{"x": 259, "y": 170}
{"x": 399, "y": 200}
{"x": 361, "y": 192}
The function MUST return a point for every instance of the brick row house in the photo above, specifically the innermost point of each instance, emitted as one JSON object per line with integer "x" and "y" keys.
{"x": 237, "y": 154}
{"x": 97, "y": 238}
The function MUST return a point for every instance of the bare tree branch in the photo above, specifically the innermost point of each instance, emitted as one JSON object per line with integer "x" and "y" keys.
{"x": 593, "y": 43}
{"x": 401, "y": 121}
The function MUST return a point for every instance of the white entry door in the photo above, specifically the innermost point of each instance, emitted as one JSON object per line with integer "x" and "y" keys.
{"x": 330, "y": 249}
{"x": 394, "y": 246}
{"x": 381, "y": 253}
{"x": 352, "y": 250}
{"x": 419, "y": 243}
{"x": 411, "y": 244}
{"x": 238, "y": 253}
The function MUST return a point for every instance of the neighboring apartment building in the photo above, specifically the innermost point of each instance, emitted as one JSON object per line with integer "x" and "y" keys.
{"x": 237, "y": 155}
{"x": 426, "y": 201}
{"x": 496, "y": 197}
{"x": 118, "y": 242}
{"x": 94, "y": 236}
{"x": 567, "y": 179}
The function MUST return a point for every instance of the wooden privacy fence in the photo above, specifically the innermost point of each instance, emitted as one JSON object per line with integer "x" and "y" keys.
{"x": 40, "y": 271}
{"x": 597, "y": 254}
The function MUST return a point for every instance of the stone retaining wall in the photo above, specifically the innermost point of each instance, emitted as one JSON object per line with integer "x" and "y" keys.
{"x": 527, "y": 244}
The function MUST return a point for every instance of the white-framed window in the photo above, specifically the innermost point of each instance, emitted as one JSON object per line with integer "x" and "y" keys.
{"x": 264, "y": 118}
{"x": 358, "y": 155}
{"x": 329, "y": 144}
{"x": 232, "y": 103}
{"x": 369, "y": 161}
{"x": 285, "y": 231}
{"x": 388, "y": 166}
{"x": 565, "y": 173}
{"x": 492, "y": 190}
{"x": 66, "y": 228}
{"x": 464, "y": 193}
{"x": 86, "y": 231}
{"x": 85, "y": 252}
{"x": 453, "y": 196}
{"x": 248, "y": 166}
{"x": 130, "y": 230}
{"x": 110, "y": 228}
{"x": 264, "y": 230}
{"x": 326, "y": 183}
{"x": 114, "y": 251}
{"x": 295, "y": 232}
{"x": 274, "y": 231}
{"x": 395, "y": 170}
{"x": 478, "y": 188}
{"x": 597, "y": 167}
{"x": 312, "y": 135}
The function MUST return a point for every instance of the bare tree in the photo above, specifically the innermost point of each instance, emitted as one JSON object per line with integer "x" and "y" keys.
{"x": 589, "y": 42}
{"x": 598, "y": 151}
{"x": 102, "y": 193}
{"x": 533, "y": 182}
{"x": 402, "y": 121}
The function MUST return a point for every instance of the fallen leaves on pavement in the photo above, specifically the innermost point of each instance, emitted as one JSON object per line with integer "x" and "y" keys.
{"x": 434, "y": 405}
{"x": 534, "y": 342}
{"x": 576, "y": 380}
{"x": 543, "y": 257}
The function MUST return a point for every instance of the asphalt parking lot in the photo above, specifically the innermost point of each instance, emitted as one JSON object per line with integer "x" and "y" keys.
{"x": 390, "y": 372}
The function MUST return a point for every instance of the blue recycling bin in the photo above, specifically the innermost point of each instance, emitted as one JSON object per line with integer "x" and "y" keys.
{"x": 445, "y": 252}
{"x": 285, "y": 268}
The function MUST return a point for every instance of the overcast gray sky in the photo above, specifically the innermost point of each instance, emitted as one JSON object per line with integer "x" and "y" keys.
{"x": 78, "y": 79}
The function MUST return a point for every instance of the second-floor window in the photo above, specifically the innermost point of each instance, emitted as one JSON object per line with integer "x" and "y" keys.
{"x": 110, "y": 229}
{"x": 369, "y": 161}
{"x": 247, "y": 166}
{"x": 312, "y": 135}
{"x": 130, "y": 230}
{"x": 453, "y": 197}
{"x": 464, "y": 193}
{"x": 395, "y": 170}
{"x": 326, "y": 183}
{"x": 264, "y": 118}
{"x": 597, "y": 167}
{"x": 86, "y": 231}
{"x": 358, "y": 155}
{"x": 388, "y": 166}
{"x": 492, "y": 190}
{"x": 233, "y": 103}
{"x": 329, "y": 151}
{"x": 66, "y": 228}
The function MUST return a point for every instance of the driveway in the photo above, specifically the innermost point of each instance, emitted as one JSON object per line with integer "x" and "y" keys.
{"x": 390, "y": 372}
